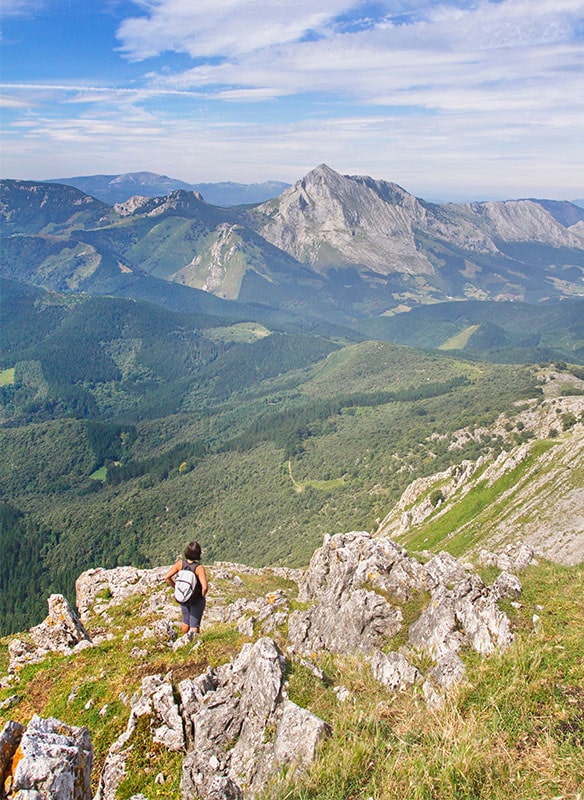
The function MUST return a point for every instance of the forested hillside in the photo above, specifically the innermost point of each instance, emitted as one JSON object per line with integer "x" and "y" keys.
{"x": 128, "y": 428}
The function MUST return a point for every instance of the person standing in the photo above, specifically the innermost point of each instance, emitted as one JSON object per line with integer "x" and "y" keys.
{"x": 191, "y": 610}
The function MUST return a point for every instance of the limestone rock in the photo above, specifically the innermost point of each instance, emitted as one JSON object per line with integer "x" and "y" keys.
{"x": 514, "y": 558}
{"x": 298, "y": 734}
{"x": 61, "y": 632}
{"x": 53, "y": 762}
{"x": 348, "y": 580}
{"x": 9, "y": 742}
{"x": 350, "y": 561}
{"x": 230, "y": 711}
{"x": 156, "y": 699}
{"x": 364, "y": 620}
{"x": 444, "y": 570}
{"x": 114, "y": 768}
{"x": 506, "y": 585}
{"x": 465, "y": 614}
{"x": 448, "y": 672}
{"x": 62, "y": 629}
{"x": 394, "y": 670}
{"x": 98, "y": 589}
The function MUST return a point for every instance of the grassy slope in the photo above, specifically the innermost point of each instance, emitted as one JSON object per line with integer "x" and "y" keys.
{"x": 516, "y": 724}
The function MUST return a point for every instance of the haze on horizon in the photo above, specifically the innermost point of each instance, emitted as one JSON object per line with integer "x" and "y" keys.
{"x": 459, "y": 99}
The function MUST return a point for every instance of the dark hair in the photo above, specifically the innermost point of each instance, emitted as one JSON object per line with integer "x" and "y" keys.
{"x": 193, "y": 551}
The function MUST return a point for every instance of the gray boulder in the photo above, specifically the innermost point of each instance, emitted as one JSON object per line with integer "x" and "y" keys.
{"x": 363, "y": 620}
{"x": 298, "y": 735}
{"x": 514, "y": 558}
{"x": 349, "y": 561}
{"x": 98, "y": 589}
{"x": 156, "y": 700}
{"x": 53, "y": 762}
{"x": 468, "y": 614}
{"x": 448, "y": 672}
{"x": 506, "y": 585}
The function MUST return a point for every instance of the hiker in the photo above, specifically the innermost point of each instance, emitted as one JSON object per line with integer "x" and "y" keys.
{"x": 192, "y": 600}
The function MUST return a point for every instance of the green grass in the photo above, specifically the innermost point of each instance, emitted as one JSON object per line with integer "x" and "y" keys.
{"x": 460, "y": 340}
{"x": 243, "y": 332}
{"x": 7, "y": 377}
{"x": 99, "y": 474}
{"x": 514, "y": 728}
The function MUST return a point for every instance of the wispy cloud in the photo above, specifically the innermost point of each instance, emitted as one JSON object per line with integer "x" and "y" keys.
{"x": 480, "y": 49}
{"x": 427, "y": 93}
{"x": 20, "y": 7}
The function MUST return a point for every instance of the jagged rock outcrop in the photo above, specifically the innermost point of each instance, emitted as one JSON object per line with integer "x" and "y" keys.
{"x": 9, "y": 740}
{"x": 347, "y": 581}
{"x": 240, "y": 703}
{"x": 462, "y": 611}
{"x": 61, "y": 632}
{"x": 515, "y": 557}
{"x": 156, "y": 702}
{"x": 97, "y": 589}
{"x": 344, "y": 617}
{"x": 51, "y": 761}
{"x": 235, "y": 724}
{"x": 542, "y": 506}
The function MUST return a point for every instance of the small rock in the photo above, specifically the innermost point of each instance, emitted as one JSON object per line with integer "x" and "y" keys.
{"x": 394, "y": 670}
{"x": 13, "y": 700}
{"x": 342, "y": 693}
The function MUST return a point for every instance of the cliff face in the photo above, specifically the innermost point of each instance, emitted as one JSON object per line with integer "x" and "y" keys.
{"x": 533, "y": 491}
{"x": 328, "y": 219}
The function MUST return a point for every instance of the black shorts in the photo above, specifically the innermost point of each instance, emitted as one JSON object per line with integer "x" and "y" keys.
{"x": 192, "y": 612}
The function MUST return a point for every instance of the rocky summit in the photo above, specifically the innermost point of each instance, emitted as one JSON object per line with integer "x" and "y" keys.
{"x": 234, "y": 724}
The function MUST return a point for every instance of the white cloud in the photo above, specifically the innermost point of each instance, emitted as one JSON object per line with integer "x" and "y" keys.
{"x": 219, "y": 27}
{"x": 442, "y": 97}
{"x": 481, "y": 50}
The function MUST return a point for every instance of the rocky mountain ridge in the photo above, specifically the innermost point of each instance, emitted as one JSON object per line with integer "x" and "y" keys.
{"x": 533, "y": 489}
{"x": 368, "y": 246}
{"x": 218, "y": 720}
{"x": 326, "y": 219}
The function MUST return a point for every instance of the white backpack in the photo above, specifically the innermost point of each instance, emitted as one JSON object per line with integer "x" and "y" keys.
{"x": 186, "y": 583}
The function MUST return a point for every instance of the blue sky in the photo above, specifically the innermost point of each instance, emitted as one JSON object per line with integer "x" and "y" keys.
{"x": 451, "y": 99}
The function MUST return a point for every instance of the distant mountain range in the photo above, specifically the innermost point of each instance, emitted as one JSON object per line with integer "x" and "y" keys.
{"x": 118, "y": 188}
{"x": 348, "y": 251}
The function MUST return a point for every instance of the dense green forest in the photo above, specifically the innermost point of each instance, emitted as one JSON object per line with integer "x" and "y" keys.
{"x": 128, "y": 429}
